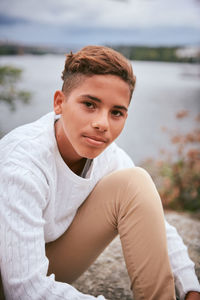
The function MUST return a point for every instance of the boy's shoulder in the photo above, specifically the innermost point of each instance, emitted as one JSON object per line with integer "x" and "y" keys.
{"x": 27, "y": 139}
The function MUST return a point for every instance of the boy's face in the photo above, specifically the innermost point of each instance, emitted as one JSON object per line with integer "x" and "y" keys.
{"x": 92, "y": 116}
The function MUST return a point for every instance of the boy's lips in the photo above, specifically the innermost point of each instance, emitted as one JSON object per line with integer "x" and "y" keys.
{"x": 95, "y": 140}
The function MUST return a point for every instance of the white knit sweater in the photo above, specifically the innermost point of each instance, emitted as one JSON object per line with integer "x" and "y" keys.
{"x": 37, "y": 206}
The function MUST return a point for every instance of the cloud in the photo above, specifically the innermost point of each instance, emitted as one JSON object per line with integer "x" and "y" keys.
{"x": 10, "y": 21}
{"x": 105, "y": 12}
{"x": 76, "y": 36}
{"x": 100, "y": 21}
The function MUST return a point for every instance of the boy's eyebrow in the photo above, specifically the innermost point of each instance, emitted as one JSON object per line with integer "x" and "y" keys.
{"x": 99, "y": 100}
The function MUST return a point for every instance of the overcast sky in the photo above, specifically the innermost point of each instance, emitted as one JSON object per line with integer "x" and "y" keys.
{"x": 81, "y": 22}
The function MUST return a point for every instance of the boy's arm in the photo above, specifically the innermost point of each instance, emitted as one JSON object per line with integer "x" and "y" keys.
{"x": 23, "y": 261}
{"x": 182, "y": 266}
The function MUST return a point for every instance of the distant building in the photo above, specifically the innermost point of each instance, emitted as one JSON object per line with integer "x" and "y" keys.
{"x": 188, "y": 52}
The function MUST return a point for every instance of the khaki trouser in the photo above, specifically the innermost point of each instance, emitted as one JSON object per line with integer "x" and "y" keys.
{"x": 124, "y": 202}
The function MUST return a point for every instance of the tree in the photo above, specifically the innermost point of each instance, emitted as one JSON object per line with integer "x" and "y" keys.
{"x": 9, "y": 92}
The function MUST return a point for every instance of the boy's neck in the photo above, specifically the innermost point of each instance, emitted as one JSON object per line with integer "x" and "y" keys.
{"x": 74, "y": 163}
{"x": 77, "y": 167}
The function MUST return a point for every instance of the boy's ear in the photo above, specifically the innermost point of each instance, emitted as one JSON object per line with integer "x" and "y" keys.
{"x": 59, "y": 98}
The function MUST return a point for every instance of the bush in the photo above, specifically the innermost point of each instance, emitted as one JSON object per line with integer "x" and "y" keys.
{"x": 178, "y": 179}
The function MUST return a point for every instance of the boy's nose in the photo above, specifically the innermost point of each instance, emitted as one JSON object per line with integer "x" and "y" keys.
{"x": 101, "y": 124}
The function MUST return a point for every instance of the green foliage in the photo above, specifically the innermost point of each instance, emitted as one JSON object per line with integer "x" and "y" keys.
{"x": 181, "y": 184}
{"x": 9, "y": 75}
{"x": 14, "y": 49}
{"x": 143, "y": 53}
{"x": 167, "y": 54}
{"x": 178, "y": 180}
{"x": 9, "y": 93}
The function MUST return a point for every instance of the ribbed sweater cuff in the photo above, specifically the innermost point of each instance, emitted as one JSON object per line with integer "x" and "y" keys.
{"x": 186, "y": 282}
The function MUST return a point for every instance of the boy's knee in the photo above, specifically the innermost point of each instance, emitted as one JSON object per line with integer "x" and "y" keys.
{"x": 135, "y": 185}
{"x": 136, "y": 194}
{"x": 130, "y": 177}
{"x": 127, "y": 191}
{"x": 124, "y": 185}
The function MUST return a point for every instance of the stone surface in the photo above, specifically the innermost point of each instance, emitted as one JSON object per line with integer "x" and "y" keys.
{"x": 189, "y": 230}
{"x": 108, "y": 275}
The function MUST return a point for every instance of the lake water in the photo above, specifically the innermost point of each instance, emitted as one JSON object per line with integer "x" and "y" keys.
{"x": 162, "y": 90}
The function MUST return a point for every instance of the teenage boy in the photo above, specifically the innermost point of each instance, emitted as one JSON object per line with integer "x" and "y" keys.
{"x": 67, "y": 190}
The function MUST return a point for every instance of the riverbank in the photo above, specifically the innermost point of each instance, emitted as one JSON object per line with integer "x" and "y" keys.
{"x": 137, "y": 53}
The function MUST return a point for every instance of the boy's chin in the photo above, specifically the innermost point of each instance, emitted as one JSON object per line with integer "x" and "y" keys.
{"x": 93, "y": 154}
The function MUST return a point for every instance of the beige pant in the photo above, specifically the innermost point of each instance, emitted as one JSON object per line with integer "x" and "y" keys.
{"x": 124, "y": 202}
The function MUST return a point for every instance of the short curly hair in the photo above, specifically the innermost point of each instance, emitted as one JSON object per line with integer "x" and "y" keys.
{"x": 96, "y": 60}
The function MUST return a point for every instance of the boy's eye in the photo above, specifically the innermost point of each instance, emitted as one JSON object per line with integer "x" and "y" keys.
{"x": 117, "y": 113}
{"x": 89, "y": 104}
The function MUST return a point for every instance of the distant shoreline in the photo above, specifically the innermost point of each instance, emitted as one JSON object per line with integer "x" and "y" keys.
{"x": 139, "y": 53}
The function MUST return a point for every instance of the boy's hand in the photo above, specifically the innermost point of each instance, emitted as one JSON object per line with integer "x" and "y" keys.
{"x": 192, "y": 296}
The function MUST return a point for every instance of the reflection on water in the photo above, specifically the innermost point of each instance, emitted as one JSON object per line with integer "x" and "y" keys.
{"x": 162, "y": 89}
